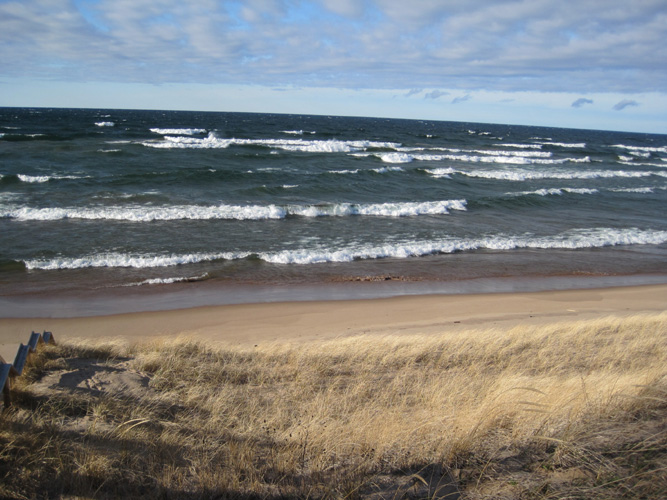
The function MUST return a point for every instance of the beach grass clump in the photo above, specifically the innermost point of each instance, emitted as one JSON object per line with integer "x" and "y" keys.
{"x": 568, "y": 410}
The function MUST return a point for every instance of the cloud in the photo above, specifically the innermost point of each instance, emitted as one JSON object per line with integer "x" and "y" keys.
{"x": 624, "y": 104}
{"x": 503, "y": 45}
{"x": 464, "y": 98}
{"x": 581, "y": 101}
{"x": 435, "y": 94}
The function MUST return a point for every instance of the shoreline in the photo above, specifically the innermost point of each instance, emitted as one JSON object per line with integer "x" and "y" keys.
{"x": 316, "y": 320}
{"x": 107, "y": 301}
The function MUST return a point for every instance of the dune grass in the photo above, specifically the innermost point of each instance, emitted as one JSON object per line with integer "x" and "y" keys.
{"x": 570, "y": 410}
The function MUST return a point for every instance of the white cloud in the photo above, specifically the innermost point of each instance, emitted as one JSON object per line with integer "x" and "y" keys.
{"x": 505, "y": 45}
{"x": 462, "y": 47}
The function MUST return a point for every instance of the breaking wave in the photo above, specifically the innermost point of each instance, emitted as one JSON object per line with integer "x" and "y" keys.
{"x": 295, "y": 145}
{"x": 234, "y": 212}
{"x": 568, "y": 240}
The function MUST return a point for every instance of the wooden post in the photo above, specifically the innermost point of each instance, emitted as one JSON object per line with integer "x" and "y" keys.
{"x": 35, "y": 340}
{"x": 9, "y": 371}
{"x": 5, "y": 383}
{"x": 21, "y": 357}
{"x": 49, "y": 338}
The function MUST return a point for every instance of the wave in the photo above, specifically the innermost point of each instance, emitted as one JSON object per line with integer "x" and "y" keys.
{"x": 128, "y": 260}
{"x": 521, "y": 146}
{"x": 643, "y": 164}
{"x": 555, "y": 191}
{"x": 646, "y": 149}
{"x": 524, "y": 175}
{"x": 178, "y": 131}
{"x": 517, "y": 154}
{"x": 234, "y": 212}
{"x": 569, "y": 240}
{"x": 38, "y": 179}
{"x": 640, "y": 190}
{"x": 169, "y": 281}
{"x": 105, "y": 124}
{"x": 502, "y": 157}
{"x": 294, "y": 145}
{"x": 577, "y": 145}
{"x": 481, "y": 156}
{"x": 298, "y": 132}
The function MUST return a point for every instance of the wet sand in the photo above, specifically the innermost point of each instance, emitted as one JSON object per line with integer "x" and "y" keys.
{"x": 307, "y": 321}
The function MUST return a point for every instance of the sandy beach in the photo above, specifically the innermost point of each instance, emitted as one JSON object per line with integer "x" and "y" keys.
{"x": 309, "y": 321}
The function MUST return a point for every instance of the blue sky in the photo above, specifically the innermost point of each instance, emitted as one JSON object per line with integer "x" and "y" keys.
{"x": 581, "y": 64}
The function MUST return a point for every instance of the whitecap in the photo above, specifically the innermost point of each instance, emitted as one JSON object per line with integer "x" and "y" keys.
{"x": 169, "y": 281}
{"x": 395, "y": 157}
{"x": 137, "y": 261}
{"x": 570, "y": 240}
{"x": 555, "y": 191}
{"x": 293, "y": 145}
{"x": 34, "y": 178}
{"x": 521, "y": 146}
{"x": 578, "y": 145}
{"x": 178, "y": 131}
{"x": 649, "y": 149}
{"x": 524, "y": 175}
{"x": 640, "y": 190}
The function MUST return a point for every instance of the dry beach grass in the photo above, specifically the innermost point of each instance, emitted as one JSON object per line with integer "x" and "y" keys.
{"x": 563, "y": 410}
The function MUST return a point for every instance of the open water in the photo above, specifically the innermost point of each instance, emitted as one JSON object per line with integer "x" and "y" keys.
{"x": 99, "y": 199}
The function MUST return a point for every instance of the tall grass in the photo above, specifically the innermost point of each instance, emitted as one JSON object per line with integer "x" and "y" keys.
{"x": 565, "y": 410}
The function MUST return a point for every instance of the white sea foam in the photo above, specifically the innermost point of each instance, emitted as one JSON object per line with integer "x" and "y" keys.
{"x": 137, "y": 261}
{"x": 294, "y": 145}
{"x": 105, "y": 124}
{"x": 34, "y": 178}
{"x": 648, "y": 149}
{"x": 579, "y": 145}
{"x": 570, "y": 240}
{"x": 517, "y": 154}
{"x": 298, "y": 132}
{"x": 179, "y": 131}
{"x": 641, "y": 164}
{"x": 399, "y": 209}
{"x": 555, "y": 191}
{"x": 441, "y": 172}
{"x": 344, "y": 172}
{"x": 508, "y": 160}
{"x": 641, "y": 190}
{"x": 521, "y": 146}
{"x": 169, "y": 281}
{"x": 395, "y": 157}
{"x": 524, "y": 175}
{"x": 46, "y": 178}
{"x": 385, "y": 170}
{"x": 231, "y": 212}
{"x": 147, "y": 214}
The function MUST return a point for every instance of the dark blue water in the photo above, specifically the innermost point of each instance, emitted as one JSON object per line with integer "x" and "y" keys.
{"x": 95, "y": 199}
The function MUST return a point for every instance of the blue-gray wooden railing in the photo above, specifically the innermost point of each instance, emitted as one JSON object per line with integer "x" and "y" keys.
{"x": 8, "y": 370}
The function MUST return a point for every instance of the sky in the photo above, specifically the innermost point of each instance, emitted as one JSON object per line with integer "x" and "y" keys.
{"x": 592, "y": 64}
